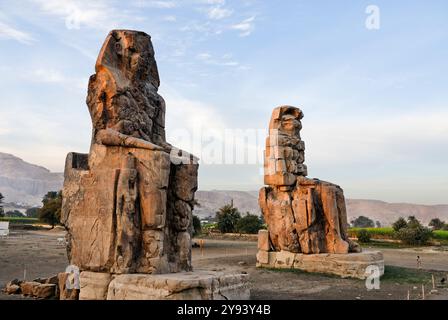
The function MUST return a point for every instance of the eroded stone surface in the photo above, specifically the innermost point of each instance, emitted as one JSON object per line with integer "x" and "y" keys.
{"x": 198, "y": 285}
{"x": 353, "y": 265}
{"x": 127, "y": 205}
{"x": 94, "y": 285}
{"x": 303, "y": 215}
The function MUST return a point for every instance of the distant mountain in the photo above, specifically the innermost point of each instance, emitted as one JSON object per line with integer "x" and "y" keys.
{"x": 26, "y": 183}
{"x": 23, "y": 182}
{"x": 386, "y": 213}
{"x": 211, "y": 201}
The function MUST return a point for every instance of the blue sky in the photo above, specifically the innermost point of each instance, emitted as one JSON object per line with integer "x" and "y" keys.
{"x": 375, "y": 101}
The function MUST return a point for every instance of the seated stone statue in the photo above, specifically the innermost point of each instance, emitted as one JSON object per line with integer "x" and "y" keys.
{"x": 303, "y": 215}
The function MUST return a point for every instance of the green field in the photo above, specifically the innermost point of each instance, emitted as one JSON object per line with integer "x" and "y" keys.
{"x": 388, "y": 233}
{"x": 20, "y": 220}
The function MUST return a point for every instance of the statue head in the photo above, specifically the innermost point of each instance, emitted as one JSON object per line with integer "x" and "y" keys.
{"x": 129, "y": 55}
{"x": 286, "y": 119}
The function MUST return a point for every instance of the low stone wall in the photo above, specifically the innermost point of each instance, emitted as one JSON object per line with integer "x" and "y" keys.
{"x": 198, "y": 285}
{"x": 352, "y": 265}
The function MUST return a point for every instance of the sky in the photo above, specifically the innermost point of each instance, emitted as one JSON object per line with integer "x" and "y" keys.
{"x": 370, "y": 77}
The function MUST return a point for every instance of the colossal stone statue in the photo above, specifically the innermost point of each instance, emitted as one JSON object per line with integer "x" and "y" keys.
{"x": 127, "y": 205}
{"x": 304, "y": 216}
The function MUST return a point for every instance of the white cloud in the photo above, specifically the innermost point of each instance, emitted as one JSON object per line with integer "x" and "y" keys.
{"x": 77, "y": 14}
{"x": 9, "y": 32}
{"x": 204, "y": 56}
{"x": 246, "y": 27}
{"x": 218, "y": 12}
{"x": 210, "y": 60}
{"x": 170, "y": 18}
{"x": 155, "y": 4}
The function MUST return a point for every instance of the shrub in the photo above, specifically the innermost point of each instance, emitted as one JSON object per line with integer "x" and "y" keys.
{"x": 197, "y": 228}
{"x": 399, "y": 224}
{"x": 363, "y": 236}
{"x": 437, "y": 224}
{"x": 249, "y": 224}
{"x": 1, "y": 206}
{"x": 362, "y": 222}
{"x": 417, "y": 235}
{"x": 51, "y": 211}
{"x": 228, "y": 217}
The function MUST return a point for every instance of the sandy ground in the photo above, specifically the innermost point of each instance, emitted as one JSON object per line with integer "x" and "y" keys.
{"x": 39, "y": 254}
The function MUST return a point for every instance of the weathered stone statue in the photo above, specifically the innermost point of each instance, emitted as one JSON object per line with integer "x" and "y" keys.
{"x": 127, "y": 205}
{"x": 304, "y": 216}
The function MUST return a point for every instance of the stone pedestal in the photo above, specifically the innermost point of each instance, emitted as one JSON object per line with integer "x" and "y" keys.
{"x": 198, "y": 285}
{"x": 352, "y": 265}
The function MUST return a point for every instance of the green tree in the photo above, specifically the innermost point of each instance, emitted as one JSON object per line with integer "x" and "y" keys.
{"x": 228, "y": 217}
{"x": 197, "y": 228}
{"x": 15, "y": 213}
{"x": 437, "y": 224}
{"x": 1, "y": 206}
{"x": 362, "y": 222}
{"x": 363, "y": 236}
{"x": 413, "y": 222}
{"x": 32, "y": 212}
{"x": 51, "y": 210}
{"x": 250, "y": 223}
{"x": 414, "y": 233}
{"x": 399, "y": 224}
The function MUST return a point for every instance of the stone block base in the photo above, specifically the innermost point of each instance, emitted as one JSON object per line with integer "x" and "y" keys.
{"x": 352, "y": 265}
{"x": 197, "y": 285}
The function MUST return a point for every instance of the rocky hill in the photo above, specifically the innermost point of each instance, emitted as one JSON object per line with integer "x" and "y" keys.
{"x": 386, "y": 213}
{"x": 23, "y": 182}
{"x": 26, "y": 183}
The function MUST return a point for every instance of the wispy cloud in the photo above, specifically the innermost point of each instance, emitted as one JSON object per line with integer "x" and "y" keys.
{"x": 170, "y": 18}
{"x": 225, "y": 60}
{"x": 77, "y": 14}
{"x": 218, "y": 12}
{"x": 9, "y": 32}
{"x": 246, "y": 27}
{"x": 155, "y": 4}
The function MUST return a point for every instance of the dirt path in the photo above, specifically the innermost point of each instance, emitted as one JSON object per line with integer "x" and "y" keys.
{"x": 40, "y": 253}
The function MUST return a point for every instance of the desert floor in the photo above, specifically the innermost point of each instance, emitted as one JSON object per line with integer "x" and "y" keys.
{"x": 40, "y": 254}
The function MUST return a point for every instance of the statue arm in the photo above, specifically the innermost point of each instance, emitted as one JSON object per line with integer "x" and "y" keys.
{"x": 110, "y": 137}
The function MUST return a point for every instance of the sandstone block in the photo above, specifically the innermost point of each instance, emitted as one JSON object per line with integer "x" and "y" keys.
{"x": 27, "y": 287}
{"x": 353, "y": 265}
{"x": 94, "y": 285}
{"x": 12, "y": 289}
{"x": 263, "y": 240}
{"x": 70, "y": 292}
{"x": 198, "y": 285}
{"x": 44, "y": 291}
{"x": 262, "y": 257}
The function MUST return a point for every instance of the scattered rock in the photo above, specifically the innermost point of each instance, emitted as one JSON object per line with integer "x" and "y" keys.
{"x": 12, "y": 289}
{"x": 44, "y": 291}
{"x": 27, "y": 287}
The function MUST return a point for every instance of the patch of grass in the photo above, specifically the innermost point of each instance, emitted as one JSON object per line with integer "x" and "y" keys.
{"x": 388, "y": 233}
{"x": 302, "y": 272}
{"x": 385, "y": 245}
{"x": 384, "y": 233}
{"x": 20, "y": 220}
{"x": 406, "y": 275}
{"x": 440, "y": 234}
